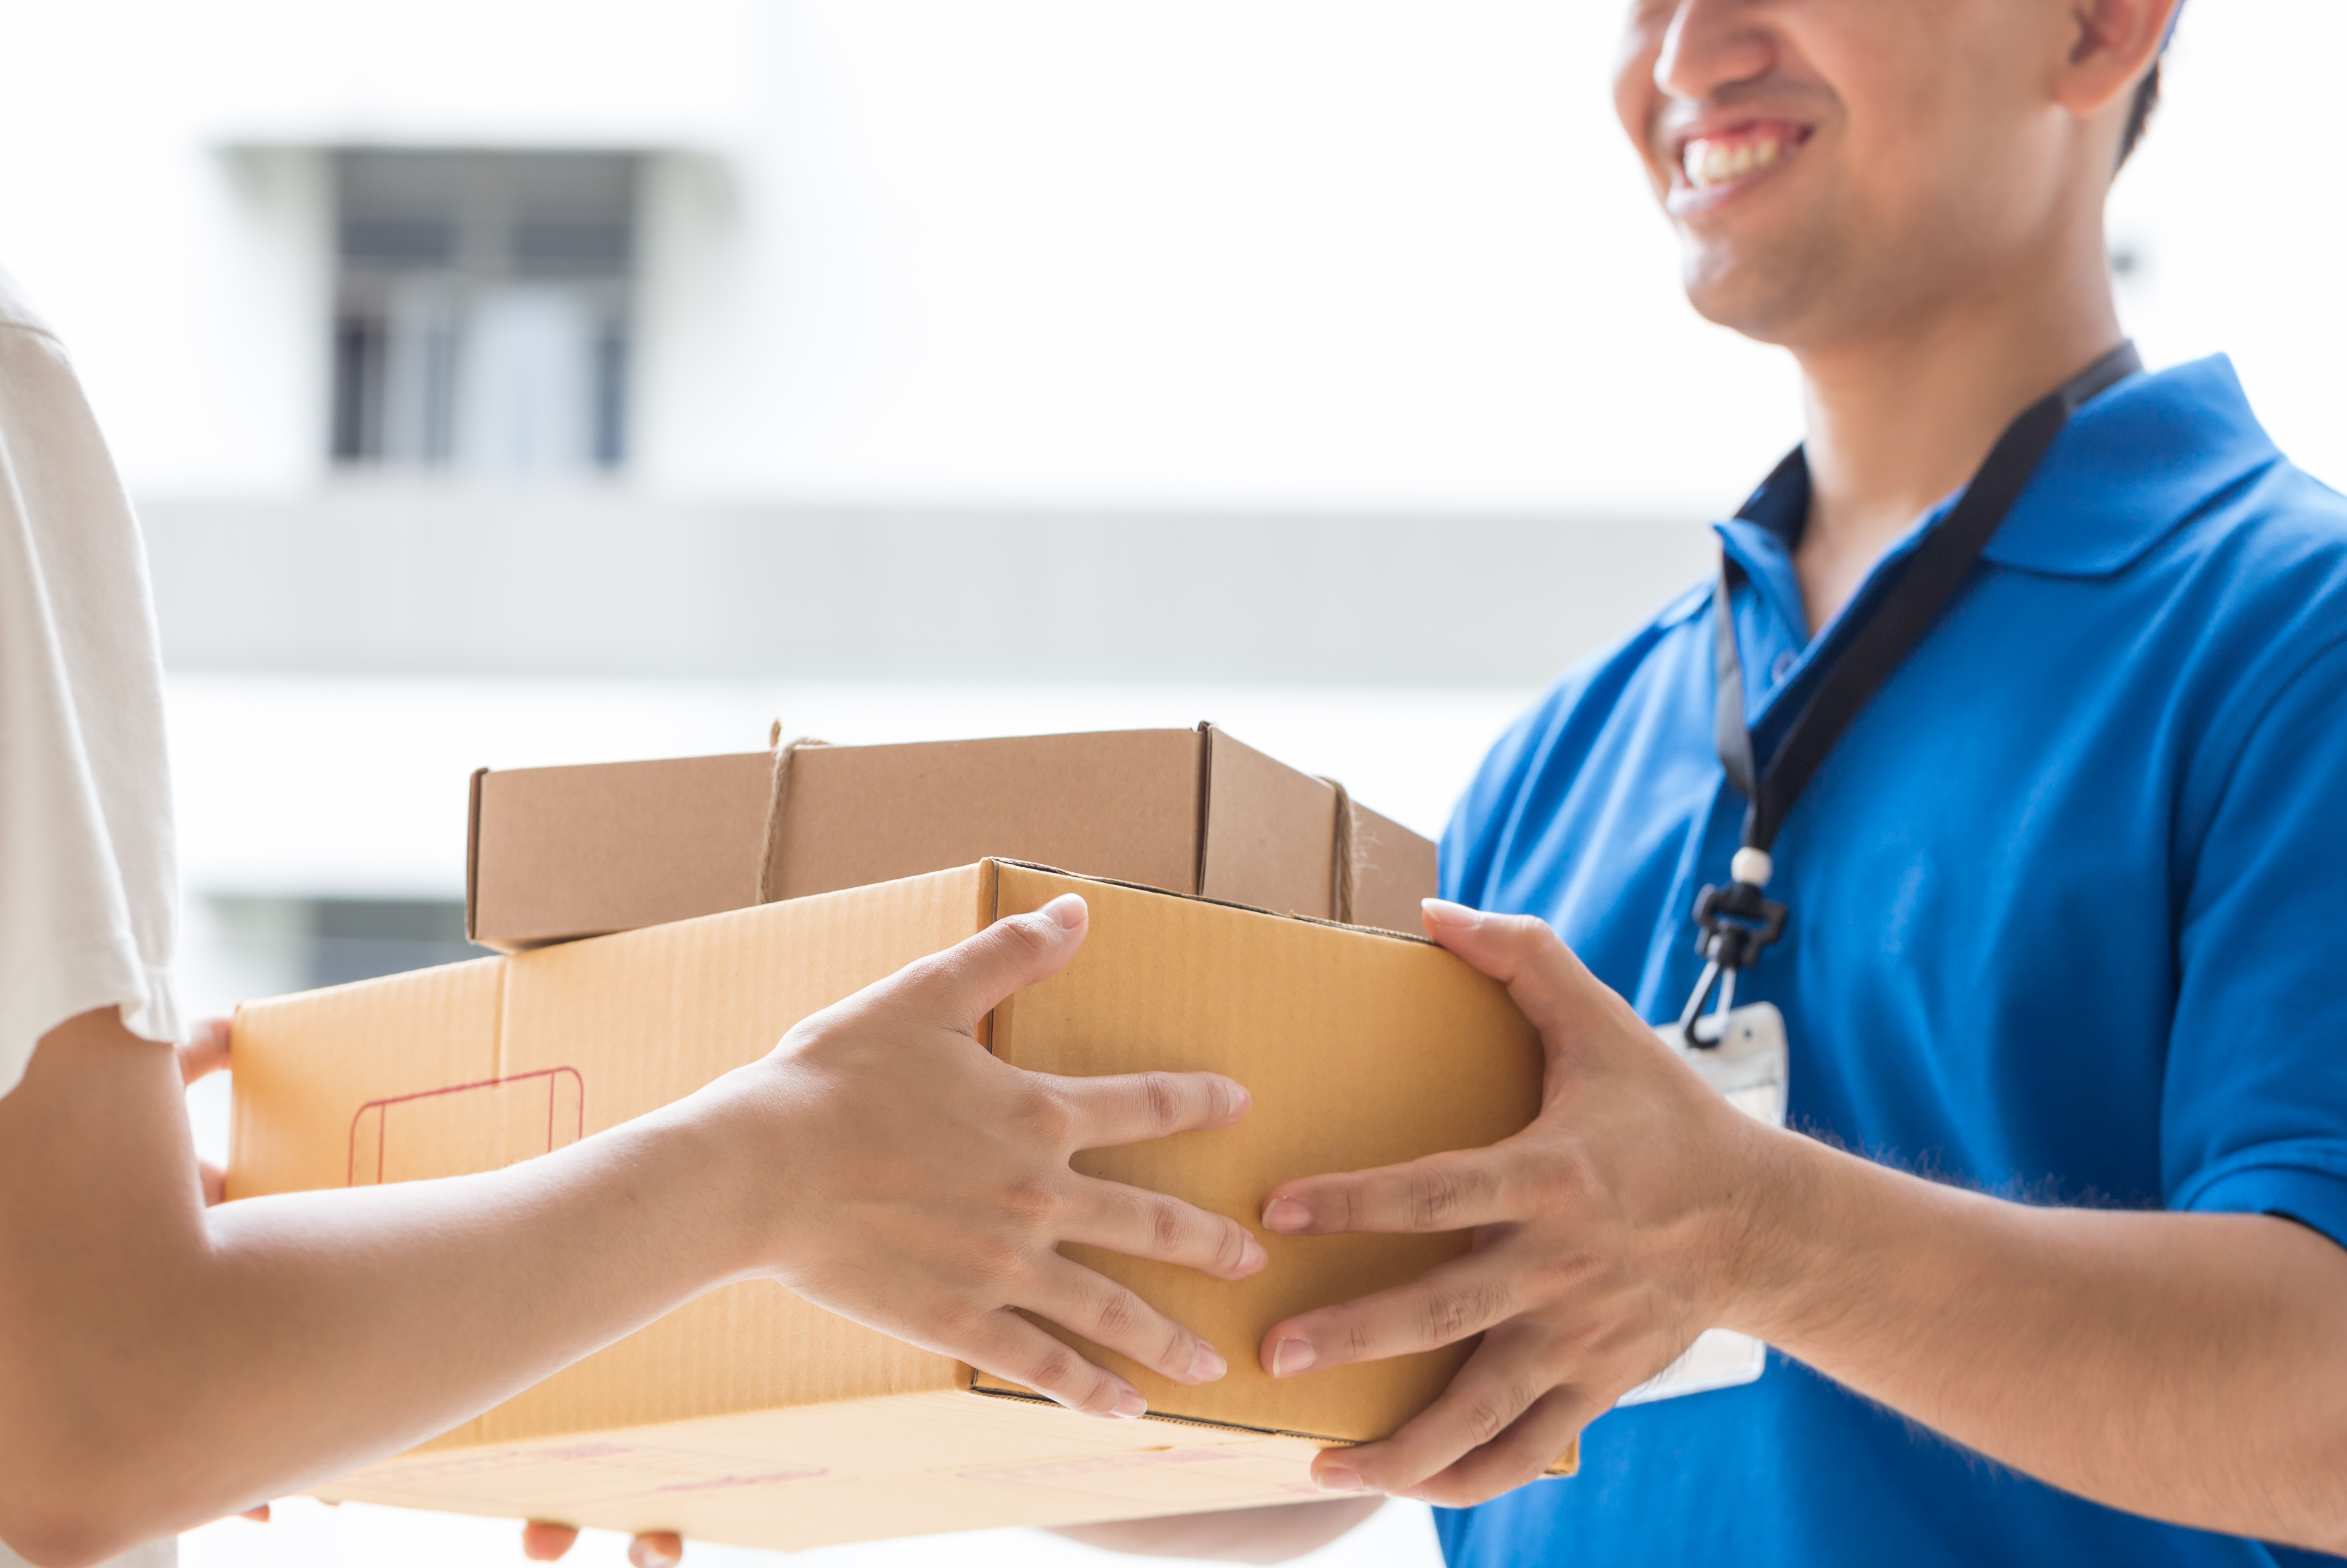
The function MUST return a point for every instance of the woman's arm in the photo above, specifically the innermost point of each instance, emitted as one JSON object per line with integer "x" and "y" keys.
{"x": 161, "y": 1365}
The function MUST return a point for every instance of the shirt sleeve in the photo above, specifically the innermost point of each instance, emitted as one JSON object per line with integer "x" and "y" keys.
{"x": 89, "y": 895}
{"x": 2254, "y": 1112}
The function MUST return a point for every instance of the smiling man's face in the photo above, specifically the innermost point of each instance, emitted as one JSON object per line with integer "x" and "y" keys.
{"x": 1835, "y": 166}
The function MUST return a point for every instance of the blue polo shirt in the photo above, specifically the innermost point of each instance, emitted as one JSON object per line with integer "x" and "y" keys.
{"x": 2068, "y": 924}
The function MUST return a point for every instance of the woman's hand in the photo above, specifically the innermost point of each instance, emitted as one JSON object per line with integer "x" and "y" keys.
{"x": 202, "y": 1054}
{"x": 927, "y": 1189}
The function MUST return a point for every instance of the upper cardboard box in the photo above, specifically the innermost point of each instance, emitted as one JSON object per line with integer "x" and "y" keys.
{"x": 562, "y": 853}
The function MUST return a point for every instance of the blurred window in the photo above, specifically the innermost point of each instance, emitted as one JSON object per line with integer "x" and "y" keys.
{"x": 481, "y": 310}
{"x": 269, "y": 945}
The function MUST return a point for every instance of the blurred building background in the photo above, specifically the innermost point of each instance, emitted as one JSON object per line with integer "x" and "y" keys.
{"x": 505, "y": 383}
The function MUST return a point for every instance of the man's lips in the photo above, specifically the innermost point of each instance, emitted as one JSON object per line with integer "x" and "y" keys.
{"x": 1711, "y": 160}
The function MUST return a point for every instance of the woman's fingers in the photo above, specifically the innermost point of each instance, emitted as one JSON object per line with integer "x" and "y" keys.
{"x": 1149, "y": 1225}
{"x": 1109, "y": 1315}
{"x": 1441, "y": 1307}
{"x": 964, "y": 983}
{"x": 1135, "y": 1107}
{"x": 205, "y": 1050}
{"x": 1008, "y": 1345}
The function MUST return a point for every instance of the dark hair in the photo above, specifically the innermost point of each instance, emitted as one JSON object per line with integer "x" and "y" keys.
{"x": 2146, "y": 98}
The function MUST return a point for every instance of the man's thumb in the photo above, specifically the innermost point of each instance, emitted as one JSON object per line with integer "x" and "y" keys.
{"x": 1523, "y": 953}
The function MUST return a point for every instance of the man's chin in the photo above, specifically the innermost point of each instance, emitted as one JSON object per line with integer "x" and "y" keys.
{"x": 1757, "y": 298}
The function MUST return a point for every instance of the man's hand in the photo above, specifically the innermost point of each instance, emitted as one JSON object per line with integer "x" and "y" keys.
{"x": 930, "y": 1188}
{"x": 545, "y": 1542}
{"x": 1607, "y": 1236}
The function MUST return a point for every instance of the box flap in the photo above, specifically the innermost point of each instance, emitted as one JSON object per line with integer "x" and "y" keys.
{"x": 1393, "y": 868}
{"x": 1271, "y": 834}
{"x": 569, "y": 852}
{"x": 1122, "y": 805}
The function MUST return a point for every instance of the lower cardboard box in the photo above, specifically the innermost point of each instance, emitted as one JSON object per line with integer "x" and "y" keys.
{"x": 753, "y": 1418}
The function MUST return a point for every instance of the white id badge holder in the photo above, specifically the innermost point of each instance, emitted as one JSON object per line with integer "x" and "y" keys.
{"x": 1749, "y": 1067}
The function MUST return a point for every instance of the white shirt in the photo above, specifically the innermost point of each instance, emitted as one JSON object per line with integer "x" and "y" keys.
{"x": 88, "y": 888}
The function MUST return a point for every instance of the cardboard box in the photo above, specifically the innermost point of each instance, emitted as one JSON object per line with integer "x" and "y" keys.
{"x": 561, "y": 853}
{"x": 753, "y": 1418}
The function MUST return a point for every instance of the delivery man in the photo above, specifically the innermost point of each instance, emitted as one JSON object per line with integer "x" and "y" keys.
{"x": 2001, "y": 778}
{"x": 162, "y": 1363}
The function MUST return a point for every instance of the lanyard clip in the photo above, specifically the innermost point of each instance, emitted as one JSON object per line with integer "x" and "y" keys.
{"x": 1735, "y": 923}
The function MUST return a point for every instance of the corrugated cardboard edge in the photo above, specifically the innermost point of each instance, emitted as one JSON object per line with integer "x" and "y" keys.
{"x": 1218, "y": 903}
{"x": 990, "y": 910}
{"x": 473, "y": 859}
{"x": 1198, "y": 830}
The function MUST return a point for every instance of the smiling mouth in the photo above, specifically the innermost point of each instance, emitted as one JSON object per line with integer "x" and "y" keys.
{"x": 1712, "y": 164}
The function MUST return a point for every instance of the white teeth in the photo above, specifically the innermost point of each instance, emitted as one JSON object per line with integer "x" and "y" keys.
{"x": 1707, "y": 162}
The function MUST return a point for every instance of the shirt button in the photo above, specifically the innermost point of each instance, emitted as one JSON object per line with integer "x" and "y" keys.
{"x": 1784, "y": 665}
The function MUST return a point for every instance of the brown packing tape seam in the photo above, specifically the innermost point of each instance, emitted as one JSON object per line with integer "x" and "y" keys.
{"x": 778, "y": 792}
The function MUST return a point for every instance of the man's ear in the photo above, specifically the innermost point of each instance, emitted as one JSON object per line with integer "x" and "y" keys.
{"x": 2117, "y": 42}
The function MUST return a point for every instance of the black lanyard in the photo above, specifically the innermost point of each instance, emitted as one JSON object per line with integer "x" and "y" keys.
{"x": 1736, "y": 922}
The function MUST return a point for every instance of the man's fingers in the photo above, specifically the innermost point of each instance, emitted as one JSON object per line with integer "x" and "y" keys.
{"x": 1153, "y": 1225}
{"x": 205, "y": 1050}
{"x": 966, "y": 981}
{"x": 545, "y": 1542}
{"x": 1500, "y": 1381}
{"x": 1522, "y": 952}
{"x": 1450, "y": 1304}
{"x": 1518, "y": 1457}
{"x": 1008, "y": 1345}
{"x": 1109, "y": 1315}
{"x": 1135, "y": 1107}
{"x": 1452, "y": 1192}
{"x": 659, "y": 1549}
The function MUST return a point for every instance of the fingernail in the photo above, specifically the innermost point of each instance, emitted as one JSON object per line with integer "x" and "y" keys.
{"x": 1286, "y": 1215}
{"x": 1291, "y": 1357}
{"x": 1337, "y": 1477}
{"x": 1130, "y": 1406}
{"x": 1067, "y": 911}
{"x": 1444, "y": 912}
{"x": 644, "y": 1554}
{"x": 1241, "y": 1100}
{"x": 1254, "y": 1258}
{"x": 1207, "y": 1365}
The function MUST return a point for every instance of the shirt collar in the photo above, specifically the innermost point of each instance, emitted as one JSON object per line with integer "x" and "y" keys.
{"x": 2129, "y": 469}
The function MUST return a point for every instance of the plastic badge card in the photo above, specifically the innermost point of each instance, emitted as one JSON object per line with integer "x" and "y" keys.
{"x": 1748, "y": 1066}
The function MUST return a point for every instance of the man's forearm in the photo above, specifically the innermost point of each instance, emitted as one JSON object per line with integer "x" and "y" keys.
{"x": 2187, "y": 1366}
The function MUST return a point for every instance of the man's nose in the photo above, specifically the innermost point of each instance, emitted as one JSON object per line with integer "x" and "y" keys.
{"x": 1711, "y": 44}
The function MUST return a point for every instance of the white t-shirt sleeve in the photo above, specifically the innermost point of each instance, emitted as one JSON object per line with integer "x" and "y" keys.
{"x": 88, "y": 885}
